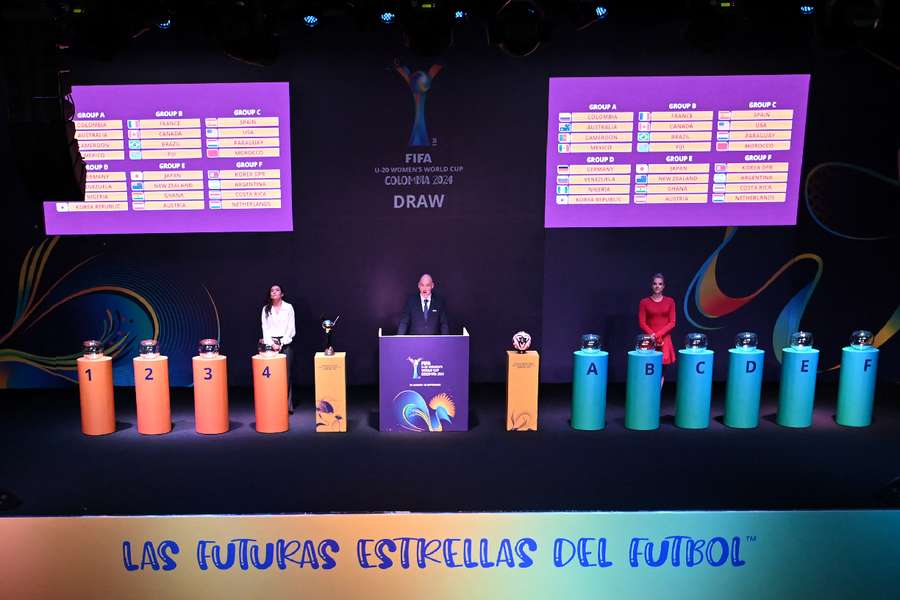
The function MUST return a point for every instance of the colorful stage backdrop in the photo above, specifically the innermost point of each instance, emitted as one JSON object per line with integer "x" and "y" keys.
{"x": 387, "y": 186}
{"x": 699, "y": 555}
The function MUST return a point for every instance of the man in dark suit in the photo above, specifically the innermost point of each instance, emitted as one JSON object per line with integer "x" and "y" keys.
{"x": 424, "y": 313}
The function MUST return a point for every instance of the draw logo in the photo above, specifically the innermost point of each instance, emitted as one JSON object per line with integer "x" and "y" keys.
{"x": 419, "y": 83}
{"x": 415, "y": 362}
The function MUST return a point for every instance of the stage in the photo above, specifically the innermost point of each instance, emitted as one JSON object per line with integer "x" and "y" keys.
{"x": 55, "y": 470}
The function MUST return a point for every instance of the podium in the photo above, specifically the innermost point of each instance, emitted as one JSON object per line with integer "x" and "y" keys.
{"x": 95, "y": 391}
{"x": 210, "y": 394}
{"x": 856, "y": 389}
{"x": 693, "y": 393}
{"x": 423, "y": 382}
{"x": 589, "y": 373}
{"x": 522, "y": 390}
{"x": 270, "y": 392}
{"x": 151, "y": 392}
{"x": 798, "y": 387}
{"x": 331, "y": 391}
{"x": 642, "y": 390}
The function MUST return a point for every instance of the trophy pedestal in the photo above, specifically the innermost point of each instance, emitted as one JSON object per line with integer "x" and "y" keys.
{"x": 331, "y": 391}
{"x": 522, "y": 390}
{"x": 589, "y": 389}
{"x": 643, "y": 390}
{"x": 210, "y": 394}
{"x": 694, "y": 389}
{"x": 856, "y": 390}
{"x": 151, "y": 391}
{"x": 270, "y": 393}
{"x": 95, "y": 391}
{"x": 745, "y": 375}
{"x": 798, "y": 387}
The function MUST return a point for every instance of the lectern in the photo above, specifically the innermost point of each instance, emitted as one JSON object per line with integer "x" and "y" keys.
{"x": 423, "y": 382}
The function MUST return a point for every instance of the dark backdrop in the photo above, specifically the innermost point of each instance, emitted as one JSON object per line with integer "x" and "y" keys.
{"x": 352, "y": 253}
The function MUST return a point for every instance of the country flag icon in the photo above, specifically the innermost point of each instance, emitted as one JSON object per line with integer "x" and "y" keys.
{"x": 563, "y": 148}
{"x": 724, "y": 124}
{"x": 213, "y": 174}
{"x": 722, "y": 136}
{"x": 562, "y": 179}
{"x": 643, "y": 137}
{"x": 132, "y": 124}
{"x": 643, "y": 116}
{"x": 643, "y": 126}
{"x": 210, "y": 153}
{"x": 640, "y": 179}
{"x": 640, "y": 199}
{"x": 62, "y": 207}
{"x": 719, "y": 178}
{"x": 643, "y": 147}
{"x": 564, "y": 137}
{"x": 137, "y": 175}
{"x": 719, "y": 188}
{"x": 565, "y": 127}
{"x": 718, "y": 198}
{"x": 565, "y": 117}
{"x": 642, "y": 168}
{"x": 724, "y": 114}
{"x": 721, "y": 167}
{"x": 562, "y": 200}
{"x": 212, "y": 133}
{"x": 562, "y": 168}
{"x": 721, "y": 145}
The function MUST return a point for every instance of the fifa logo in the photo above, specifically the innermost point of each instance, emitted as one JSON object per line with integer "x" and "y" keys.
{"x": 415, "y": 365}
{"x": 419, "y": 83}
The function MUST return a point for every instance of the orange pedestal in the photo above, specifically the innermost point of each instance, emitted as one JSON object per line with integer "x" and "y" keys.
{"x": 210, "y": 394}
{"x": 522, "y": 391}
{"x": 151, "y": 391}
{"x": 270, "y": 393}
{"x": 95, "y": 390}
{"x": 331, "y": 391}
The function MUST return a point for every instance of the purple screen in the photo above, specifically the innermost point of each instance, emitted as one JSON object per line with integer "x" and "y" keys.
{"x": 210, "y": 157}
{"x": 674, "y": 151}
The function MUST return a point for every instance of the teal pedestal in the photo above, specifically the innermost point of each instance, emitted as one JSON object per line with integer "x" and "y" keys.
{"x": 693, "y": 391}
{"x": 856, "y": 390}
{"x": 745, "y": 375}
{"x": 642, "y": 390}
{"x": 589, "y": 389}
{"x": 798, "y": 387}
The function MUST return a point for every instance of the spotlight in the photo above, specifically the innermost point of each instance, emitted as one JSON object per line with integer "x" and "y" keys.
{"x": 460, "y": 16}
{"x": 310, "y": 21}
{"x": 164, "y": 24}
{"x": 518, "y": 27}
{"x": 601, "y": 12}
{"x": 387, "y": 18}
{"x": 807, "y": 10}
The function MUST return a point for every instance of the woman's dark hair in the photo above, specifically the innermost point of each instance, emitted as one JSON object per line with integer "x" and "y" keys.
{"x": 658, "y": 276}
{"x": 268, "y": 307}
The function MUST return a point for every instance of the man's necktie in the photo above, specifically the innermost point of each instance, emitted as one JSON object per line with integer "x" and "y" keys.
{"x": 425, "y": 312}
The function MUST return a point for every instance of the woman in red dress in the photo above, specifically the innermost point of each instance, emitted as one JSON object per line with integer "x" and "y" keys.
{"x": 656, "y": 316}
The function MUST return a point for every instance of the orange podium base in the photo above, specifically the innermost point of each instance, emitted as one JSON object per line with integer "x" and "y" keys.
{"x": 522, "y": 390}
{"x": 95, "y": 390}
{"x": 331, "y": 391}
{"x": 151, "y": 392}
{"x": 270, "y": 393}
{"x": 210, "y": 394}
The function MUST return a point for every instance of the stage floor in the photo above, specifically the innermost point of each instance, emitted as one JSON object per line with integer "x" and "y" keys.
{"x": 55, "y": 470}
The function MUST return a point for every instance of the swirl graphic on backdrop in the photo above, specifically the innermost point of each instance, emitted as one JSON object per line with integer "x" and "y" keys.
{"x": 820, "y": 187}
{"x": 92, "y": 300}
{"x": 414, "y": 414}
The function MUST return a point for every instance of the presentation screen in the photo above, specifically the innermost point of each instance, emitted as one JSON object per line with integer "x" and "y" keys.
{"x": 674, "y": 151}
{"x": 210, "y": 157}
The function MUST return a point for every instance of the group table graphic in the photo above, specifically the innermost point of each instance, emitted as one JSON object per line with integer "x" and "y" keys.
{"x": 654, "y": 151}
{"x": 219, "y": 154}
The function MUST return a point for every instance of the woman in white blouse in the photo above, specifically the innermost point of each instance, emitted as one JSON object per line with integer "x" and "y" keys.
{"x": 278, "y": 329}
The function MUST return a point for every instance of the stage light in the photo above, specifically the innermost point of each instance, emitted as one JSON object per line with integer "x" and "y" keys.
{"x": 460, "y": 15}
{"x": 807, "y": 9}
{"x": 518, "y": 27}
{"x": 164, "y": 24}
{"x": 387, "y": 17}
{"x": 310, "y": 21}
{"x": 601, "y": 12}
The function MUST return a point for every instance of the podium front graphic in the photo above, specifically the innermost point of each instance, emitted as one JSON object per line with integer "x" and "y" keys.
{"x": 423, "y": 382}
